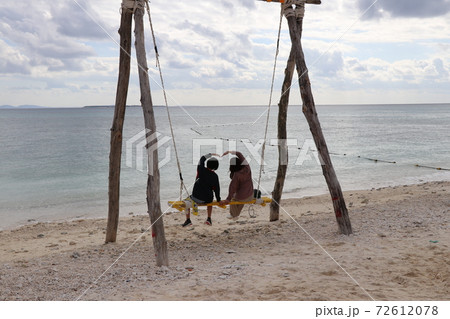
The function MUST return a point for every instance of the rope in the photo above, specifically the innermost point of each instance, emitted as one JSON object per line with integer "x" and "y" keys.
{"x": 438, "y": 168}
{"x": 132, "y": 5}
{"x": 293, "y": 2}
{"x": 376, "y": 160}
{"x": 300, "y": 10}
{"x": 270, "y": 100}
{"x": 289, "y": 11}
{"x": 182, "y": 185}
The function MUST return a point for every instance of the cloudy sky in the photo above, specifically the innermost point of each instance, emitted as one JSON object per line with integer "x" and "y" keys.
{"x": 221, "y": 52}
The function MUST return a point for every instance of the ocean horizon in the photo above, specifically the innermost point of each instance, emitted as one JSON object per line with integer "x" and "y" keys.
{"x": 32, "y": 106}
{"x": 55, "y": 160}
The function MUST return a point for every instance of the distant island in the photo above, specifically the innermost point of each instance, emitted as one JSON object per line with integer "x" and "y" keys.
{"x": 22, "y": 107}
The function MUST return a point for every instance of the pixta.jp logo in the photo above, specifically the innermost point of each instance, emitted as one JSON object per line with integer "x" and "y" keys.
{"x": 142, "y": 147}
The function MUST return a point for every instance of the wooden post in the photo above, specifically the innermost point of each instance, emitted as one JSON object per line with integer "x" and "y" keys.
{"x": 309, "y": 110}
{"x": 117, "y": 126}
{"x": 153, "y": 183}
{"x": 282, "y": 138}
{"x": 283, "y": 156}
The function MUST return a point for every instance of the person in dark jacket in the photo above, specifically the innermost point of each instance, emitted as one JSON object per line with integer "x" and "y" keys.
{"x": 206, "y": 183}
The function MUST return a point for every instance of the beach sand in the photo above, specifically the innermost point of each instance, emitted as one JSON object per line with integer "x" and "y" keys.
{"x": 399, "y": 251}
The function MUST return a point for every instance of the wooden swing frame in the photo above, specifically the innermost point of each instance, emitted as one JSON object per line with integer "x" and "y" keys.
{"x": 296, "y": 58}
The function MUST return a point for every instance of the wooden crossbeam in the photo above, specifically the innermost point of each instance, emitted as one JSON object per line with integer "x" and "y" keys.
{"x": 306, "y": 1}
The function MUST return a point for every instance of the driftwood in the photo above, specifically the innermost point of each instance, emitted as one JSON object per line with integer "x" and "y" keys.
{"x": 153, "y": 195}
{"x": 309, "y": 110}
{"x": 117, "y": 126}
{"x": 283, "y": 156}
{"x": 153, "y": 182}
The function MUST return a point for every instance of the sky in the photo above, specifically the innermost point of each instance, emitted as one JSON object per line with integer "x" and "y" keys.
{"x": 221, "y": 52}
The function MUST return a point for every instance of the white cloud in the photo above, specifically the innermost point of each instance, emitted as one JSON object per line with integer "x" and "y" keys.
{"x": 36, "y": 33}
{"x": 222, "y": 48}
{"x": 405, "y": 8}
{"x": 79, "y": 25}
{"x": 12, "y": 61}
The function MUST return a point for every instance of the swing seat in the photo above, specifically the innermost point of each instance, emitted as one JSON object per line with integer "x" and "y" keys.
{"x": 181, "y": 205}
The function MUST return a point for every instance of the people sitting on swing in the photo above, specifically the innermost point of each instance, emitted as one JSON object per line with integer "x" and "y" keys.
{"x": 206, "y": 183}
{"x": 241, "y": 185}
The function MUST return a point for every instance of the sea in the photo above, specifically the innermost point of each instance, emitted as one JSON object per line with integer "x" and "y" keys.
{"x": 54, "y": 161}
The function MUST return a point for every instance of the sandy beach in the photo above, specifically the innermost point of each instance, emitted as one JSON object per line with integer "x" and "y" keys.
{"x": 399, "y": 251}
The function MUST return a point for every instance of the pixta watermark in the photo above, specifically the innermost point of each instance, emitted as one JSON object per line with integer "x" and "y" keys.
{"x": 141, "y": 150}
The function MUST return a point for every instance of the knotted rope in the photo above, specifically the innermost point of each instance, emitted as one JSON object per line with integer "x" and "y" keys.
{"x": 289, "y": 11}
{"x": 132, "y": 5}
{"x": 300, "y": 10}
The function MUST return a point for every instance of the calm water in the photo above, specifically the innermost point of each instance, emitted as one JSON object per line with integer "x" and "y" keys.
{"x": 54, "y": 162}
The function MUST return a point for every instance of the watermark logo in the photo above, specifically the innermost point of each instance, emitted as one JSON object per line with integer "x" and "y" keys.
{"x": 309, "y": 148}
{"x": 146, "y": 146}
{"x": 308, "y": 151}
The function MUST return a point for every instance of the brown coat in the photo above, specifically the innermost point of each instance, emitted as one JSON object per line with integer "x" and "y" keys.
{"x": 241, "y": 186}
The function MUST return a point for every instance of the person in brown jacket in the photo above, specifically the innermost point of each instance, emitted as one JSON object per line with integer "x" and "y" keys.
{"x": 241, "y": 185}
